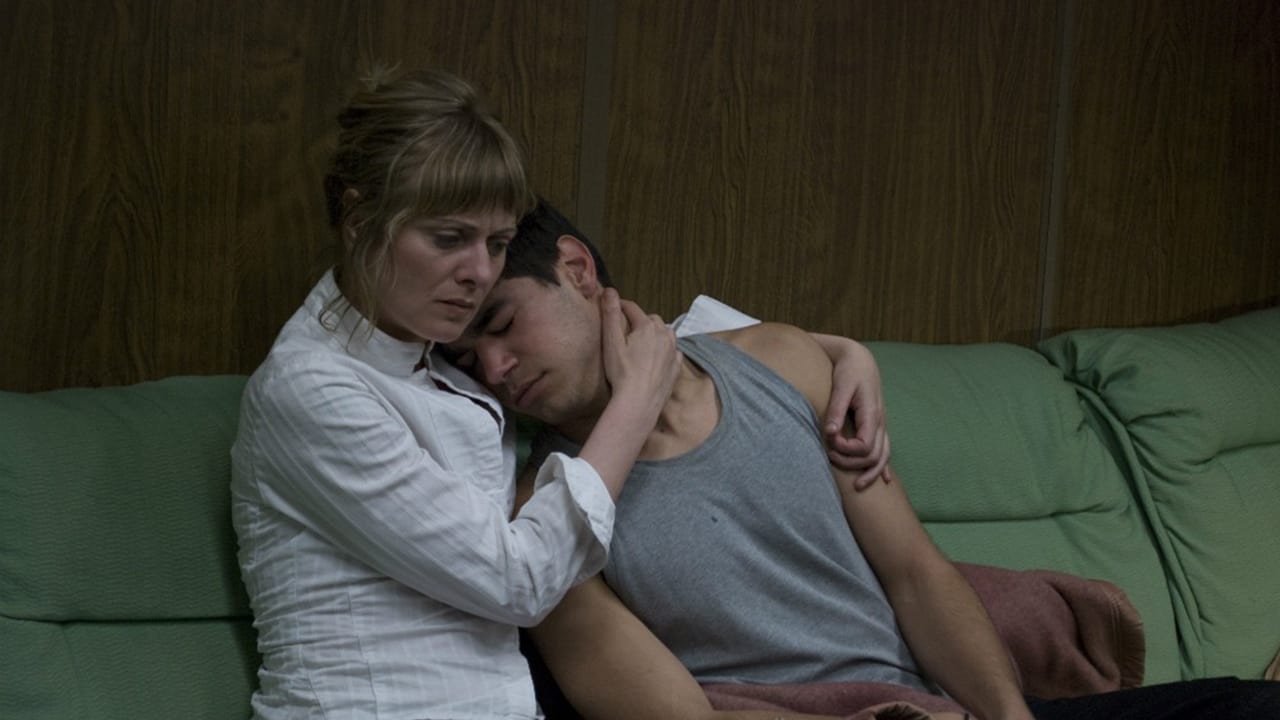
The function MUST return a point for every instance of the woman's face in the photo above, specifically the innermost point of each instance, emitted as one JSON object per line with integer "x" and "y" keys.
{"x": 443, "y": 267}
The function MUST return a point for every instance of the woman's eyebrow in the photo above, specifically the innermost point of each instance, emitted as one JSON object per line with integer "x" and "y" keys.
{"x": 445, "y": 223}
{"x": 450, "y": 222}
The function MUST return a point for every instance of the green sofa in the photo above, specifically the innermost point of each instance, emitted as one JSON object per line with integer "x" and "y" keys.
{"x": 1146, "y": 457}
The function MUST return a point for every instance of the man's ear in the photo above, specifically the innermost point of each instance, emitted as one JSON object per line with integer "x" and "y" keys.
{"x": 577, "y": 266}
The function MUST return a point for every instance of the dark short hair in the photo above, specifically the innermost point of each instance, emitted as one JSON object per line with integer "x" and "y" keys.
{"x": 533, "y": 251}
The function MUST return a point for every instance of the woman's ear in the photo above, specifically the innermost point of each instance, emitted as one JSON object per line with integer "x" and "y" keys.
{"x": 577, "y": 267}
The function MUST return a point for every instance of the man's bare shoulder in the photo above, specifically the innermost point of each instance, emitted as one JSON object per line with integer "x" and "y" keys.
{"x": 789, "y": 351}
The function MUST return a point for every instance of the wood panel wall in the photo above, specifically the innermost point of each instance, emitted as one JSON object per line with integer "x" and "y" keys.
{"x": 858, "y": 167}
{"x": 1173, "y": 163}
{"x": 163, "y": 162}
{"x": 923, "y": 170}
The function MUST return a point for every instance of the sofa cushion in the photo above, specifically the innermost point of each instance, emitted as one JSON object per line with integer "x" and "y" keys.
{"x": 1005, "y": 468}
{"x": 192, "y": 669}
{"x": 120, "y": 596}
{"x": 114, "y": 502}
{"x": 1199, "y": 411}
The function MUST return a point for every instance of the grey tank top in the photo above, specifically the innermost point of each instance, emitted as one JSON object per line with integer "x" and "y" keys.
{"x": 737, "y": 554}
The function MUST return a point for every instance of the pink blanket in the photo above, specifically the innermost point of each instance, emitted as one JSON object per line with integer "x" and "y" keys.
{"x": 1067, "y": 636}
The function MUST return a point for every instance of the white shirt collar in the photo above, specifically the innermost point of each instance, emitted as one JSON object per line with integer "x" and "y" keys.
{"x": 397, "y": 358}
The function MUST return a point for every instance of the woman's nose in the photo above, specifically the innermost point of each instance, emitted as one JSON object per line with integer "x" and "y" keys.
{"x": 480, "y": 266}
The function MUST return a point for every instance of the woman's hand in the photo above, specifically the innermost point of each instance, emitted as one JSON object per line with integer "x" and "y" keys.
{"x": 640, "y": 364}
{"x": 640, "y": 357}
{"x": 856, "y": 393}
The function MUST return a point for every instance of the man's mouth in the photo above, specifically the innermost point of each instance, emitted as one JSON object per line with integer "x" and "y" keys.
{"x": 520, "y": 395}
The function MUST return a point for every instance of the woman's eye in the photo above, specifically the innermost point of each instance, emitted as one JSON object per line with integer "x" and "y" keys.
{"x": 447, "y": 240}
{"x": 498, "y": 246}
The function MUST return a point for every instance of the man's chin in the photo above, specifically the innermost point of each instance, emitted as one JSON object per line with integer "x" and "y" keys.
{"x": 558, "y": 417}
{"x": 542, "y": 415}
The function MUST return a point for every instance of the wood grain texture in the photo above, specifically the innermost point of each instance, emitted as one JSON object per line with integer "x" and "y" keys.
{"x": 112, "y": 228}
{"x": 304, "y": 64}
{"x": 875, "y": 169}
{"x": 163, "y": 163}
{"x": 1173, "y": 176}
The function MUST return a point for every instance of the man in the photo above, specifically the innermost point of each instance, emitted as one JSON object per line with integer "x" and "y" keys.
{"x": 735, "y": 557}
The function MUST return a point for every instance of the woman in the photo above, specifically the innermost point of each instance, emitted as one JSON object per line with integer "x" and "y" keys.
{"x": 372, "y": 482}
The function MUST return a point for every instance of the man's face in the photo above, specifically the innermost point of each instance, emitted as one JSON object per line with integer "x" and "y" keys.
{"x": 537, "y": 348}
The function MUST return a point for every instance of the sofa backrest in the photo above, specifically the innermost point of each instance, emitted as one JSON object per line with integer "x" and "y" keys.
{"x": 1005, "y": 468}
{"x": 120, "y": 595}
{"x": 1153, "y": 464}
{"x": 1197, "y": 415}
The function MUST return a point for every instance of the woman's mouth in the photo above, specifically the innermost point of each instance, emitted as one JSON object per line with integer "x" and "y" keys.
{"x": 459, "y": 307}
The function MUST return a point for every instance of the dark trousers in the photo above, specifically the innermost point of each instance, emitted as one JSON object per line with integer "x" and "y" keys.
{"x": 1209, "y": 699}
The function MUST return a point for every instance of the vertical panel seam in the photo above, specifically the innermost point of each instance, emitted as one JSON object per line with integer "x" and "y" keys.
{"x": 1055, "y": 200}
{"x": 593, "y": 146}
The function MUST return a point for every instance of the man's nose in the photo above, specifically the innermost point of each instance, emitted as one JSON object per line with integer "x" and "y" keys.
{"x": 495, "y": 364}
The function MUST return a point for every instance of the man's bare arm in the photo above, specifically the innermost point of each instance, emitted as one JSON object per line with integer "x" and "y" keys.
{"x": 945, "y": 625}
{"x": 611, "y": 667}
{"x": 608, "y": 664}
{"x": 940, "y": 616}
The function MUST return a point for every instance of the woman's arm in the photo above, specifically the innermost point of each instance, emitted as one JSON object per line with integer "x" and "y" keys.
{"x": 324, "y": 447}
{"x": 641, "y": 363}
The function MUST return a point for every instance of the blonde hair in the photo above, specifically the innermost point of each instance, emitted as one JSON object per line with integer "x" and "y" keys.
{"x": 422, "y": 144}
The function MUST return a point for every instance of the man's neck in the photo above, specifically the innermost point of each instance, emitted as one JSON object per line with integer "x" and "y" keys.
{"x": 686, "y": 420}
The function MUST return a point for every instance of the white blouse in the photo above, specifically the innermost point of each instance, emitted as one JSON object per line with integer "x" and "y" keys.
{"x": 371, "y": 496}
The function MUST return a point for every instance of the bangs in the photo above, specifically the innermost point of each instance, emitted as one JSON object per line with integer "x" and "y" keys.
{"x": 473, "y": 167}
